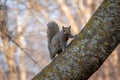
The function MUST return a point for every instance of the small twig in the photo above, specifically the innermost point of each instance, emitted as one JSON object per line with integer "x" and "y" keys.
{"x": 8, "y": 36}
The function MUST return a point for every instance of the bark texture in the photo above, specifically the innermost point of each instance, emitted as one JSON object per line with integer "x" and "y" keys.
{"x": 86, "y": 54}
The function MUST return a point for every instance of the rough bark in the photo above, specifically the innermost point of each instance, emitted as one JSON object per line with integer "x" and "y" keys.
{"x": 85, "y": 55}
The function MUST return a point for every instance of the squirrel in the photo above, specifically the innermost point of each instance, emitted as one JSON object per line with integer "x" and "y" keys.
{"x": 57, "y": 40}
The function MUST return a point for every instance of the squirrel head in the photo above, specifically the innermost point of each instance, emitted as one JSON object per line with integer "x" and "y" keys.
{"x": 67, "y": 31}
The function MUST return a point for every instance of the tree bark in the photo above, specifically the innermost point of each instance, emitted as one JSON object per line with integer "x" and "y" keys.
{"x": 84, "y": 55}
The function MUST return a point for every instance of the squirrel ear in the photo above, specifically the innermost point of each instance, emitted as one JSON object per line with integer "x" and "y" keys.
{"x": 69, "y": 26}
{"x": 62, "y": 27}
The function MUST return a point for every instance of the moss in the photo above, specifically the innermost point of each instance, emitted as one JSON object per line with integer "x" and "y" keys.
{"x": 105, "y": 43}
{"x": 66, "y": 77}
{"x": 81, "y": 54}
{"x": 104, "y": 34}
{"x": 81, "y": 69}
{"x": 107, "y": 3}
{"x": 80, "y": 61}
{"x": 89, "y": 24}
{"x": 57, "y": 72}
{"x": 81, "y": 36}
{"x": 72, "y": 71}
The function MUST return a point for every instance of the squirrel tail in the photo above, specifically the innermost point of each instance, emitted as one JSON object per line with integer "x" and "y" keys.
{"x": 53, "y": 28}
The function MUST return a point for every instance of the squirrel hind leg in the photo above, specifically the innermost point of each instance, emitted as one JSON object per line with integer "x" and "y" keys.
{"x": 52, "y": 57}
{"x": 59, "y": 51}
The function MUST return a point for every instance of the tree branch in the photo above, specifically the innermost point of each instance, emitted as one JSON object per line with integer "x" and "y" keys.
{"x": 9, "y": 37}
{"x": 85, "y": 55}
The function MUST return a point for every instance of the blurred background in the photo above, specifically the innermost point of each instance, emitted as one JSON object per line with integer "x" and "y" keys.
{"x": 23, "y": 40}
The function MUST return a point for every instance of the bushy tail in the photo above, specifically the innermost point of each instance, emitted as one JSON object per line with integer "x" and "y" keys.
{"x": 53, "y": 28}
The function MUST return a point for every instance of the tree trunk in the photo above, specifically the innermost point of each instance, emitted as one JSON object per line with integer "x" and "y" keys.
{"x": 84, "y": 55}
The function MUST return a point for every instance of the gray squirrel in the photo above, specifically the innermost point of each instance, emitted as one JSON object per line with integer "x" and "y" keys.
{"x": 57, "y": 40}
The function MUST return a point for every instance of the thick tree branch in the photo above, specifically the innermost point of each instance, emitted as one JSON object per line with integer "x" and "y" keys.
{"x": 85, "y": 55}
